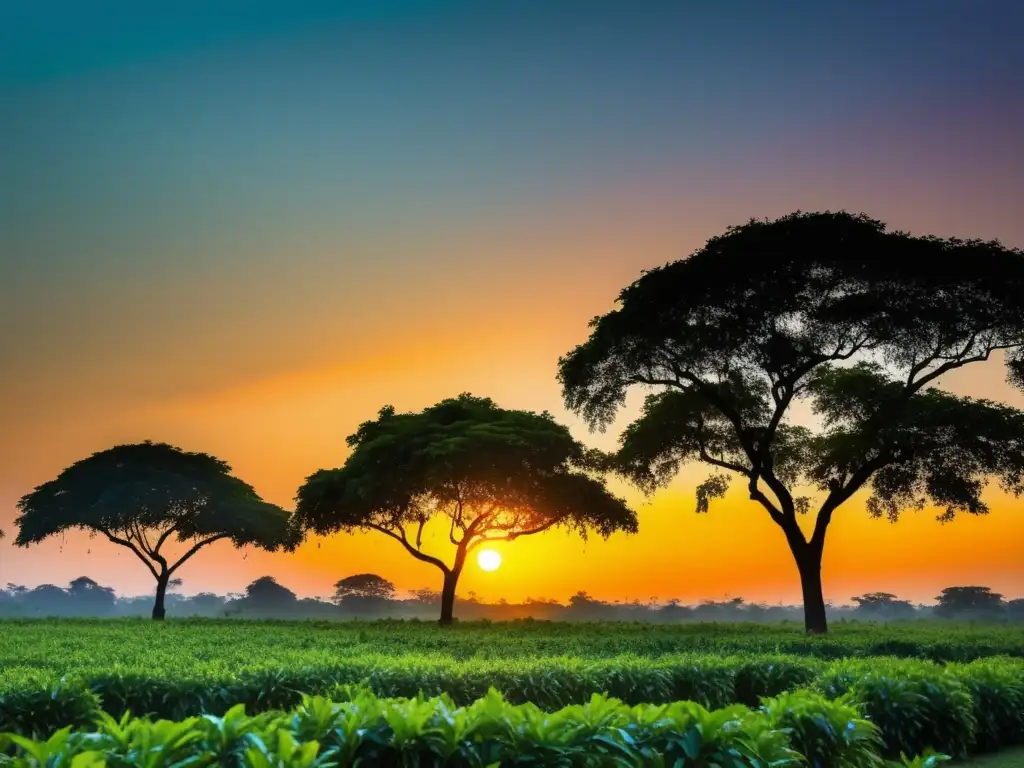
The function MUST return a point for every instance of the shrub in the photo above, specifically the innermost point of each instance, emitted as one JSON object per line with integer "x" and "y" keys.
{"x": 997, "y": 692}
{"x": 34, "y": 713}
{"x": 917, "y": 705}
{"x": 828, "y": 733}
{"x": 369, "y": 731}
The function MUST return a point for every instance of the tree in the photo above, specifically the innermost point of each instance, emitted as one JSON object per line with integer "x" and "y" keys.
{"x": 969, "y": 603}
{"x": 265, "y": 594}
{"x": 832, "y": 309}
{"x": 147, "y": 495}
{"x": 1015, "y": 609}
{"x": 883, "y": 605}
{"x": 364, "y": 585}
{"x": 491, "y": 474}
{"x": 90, "y": 598}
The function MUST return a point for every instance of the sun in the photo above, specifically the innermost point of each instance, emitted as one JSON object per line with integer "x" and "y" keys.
{"x": 488, "y": 560}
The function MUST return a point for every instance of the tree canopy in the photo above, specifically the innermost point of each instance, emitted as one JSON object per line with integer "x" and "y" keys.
{"x": 145, "y": 495}
{"x": 835, "y": 310}
{"x": 965, "y": 602}
{"x": 364, "y": 585}
{"x": 490, "y": 473}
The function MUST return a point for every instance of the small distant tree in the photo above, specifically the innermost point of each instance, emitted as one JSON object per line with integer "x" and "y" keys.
{"x": 147, "y": 496}
{"x": 1015, "y": 609}
{"x": 206, "y": 603}
{"x": 488, "y": 473}
{"x": 883, "y": 605}
{"x": 858, "y": 322}
{"x": 363, "y": 585}
{"x": 265, "y": 592}
{"x": 969, "y": 603}
{"x": 426, "y": 595}
{"x": 89, "y": 598}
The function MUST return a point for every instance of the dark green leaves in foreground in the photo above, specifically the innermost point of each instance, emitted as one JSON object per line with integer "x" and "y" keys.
{"x": 368, "y": 731}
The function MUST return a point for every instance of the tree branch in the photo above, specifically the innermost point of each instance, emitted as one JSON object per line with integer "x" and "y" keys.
{"x": 163, "y": 537}
{"x": 401, "y": 539}
{"x": 194, "y": 549}
{"x": 756, "y": 494}
{"x": 133, "y": 548}
{"x": 709, "y": 459}
{"x": 514, "y": 535}
{"x": 841, "y": 493}
{"x": 419, "y": 531}
{"x": 957, "y": 361}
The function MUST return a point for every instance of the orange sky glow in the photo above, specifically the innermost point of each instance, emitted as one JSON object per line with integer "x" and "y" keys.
{"x": 247, "y": 242}
{"x": 497, "y": 333}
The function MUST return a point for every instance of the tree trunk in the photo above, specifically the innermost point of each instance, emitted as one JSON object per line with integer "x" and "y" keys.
{"x": 161, "y": 593}
{"x": 808, "y": 561}
{"x": 451, "y": 578}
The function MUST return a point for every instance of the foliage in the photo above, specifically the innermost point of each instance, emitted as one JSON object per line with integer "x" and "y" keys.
{"x": 142, "y": 496}
{"x": 490, "y": 474}
{"x": 35, "y": 712}
{"x": 969, "y": 602}
{"x": 826, "y": 733}
{"x": 186, "y": 668}
{"x": 997, "y": 692}
{"x": 883, "y": 605}
{"x": 367, "y": 731}
{"x": 265, "y": 589}
{"x": 832, "y": 309}
{"x": 917, "y": 705}
{"x": 364, "y": 585}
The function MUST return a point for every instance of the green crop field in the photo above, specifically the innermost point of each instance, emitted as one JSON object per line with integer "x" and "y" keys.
{"x": 411, "y": 693}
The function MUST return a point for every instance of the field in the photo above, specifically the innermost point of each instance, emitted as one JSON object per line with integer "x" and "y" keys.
{"x": 520, "y": 693}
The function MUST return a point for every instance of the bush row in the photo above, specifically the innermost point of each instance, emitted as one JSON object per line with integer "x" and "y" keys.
{"x": 797, "y": 729}
{"x": 956, "y": 708}
{"x": 83, "y": 646}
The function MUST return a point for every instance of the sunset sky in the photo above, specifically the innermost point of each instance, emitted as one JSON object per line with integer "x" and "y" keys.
{"x": 244, "y": 230}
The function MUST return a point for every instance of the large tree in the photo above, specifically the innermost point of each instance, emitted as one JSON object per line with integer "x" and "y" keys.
{"x": 833, "y": 309}
{"x": 150, "y": 498}
{"x": 488, "y": 473}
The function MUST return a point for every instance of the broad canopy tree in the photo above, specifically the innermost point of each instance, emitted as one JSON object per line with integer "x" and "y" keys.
{"x": 363, "y": 585}
{"x": 148, "y": 496}
{"x": 487, "y": 473}
{"x": 834, "y": 310}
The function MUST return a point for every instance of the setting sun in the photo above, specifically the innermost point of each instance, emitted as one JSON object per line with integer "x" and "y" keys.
{"x": 488, "y": 560}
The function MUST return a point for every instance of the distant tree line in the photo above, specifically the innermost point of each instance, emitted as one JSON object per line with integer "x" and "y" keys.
{"x": 369, "y": 596}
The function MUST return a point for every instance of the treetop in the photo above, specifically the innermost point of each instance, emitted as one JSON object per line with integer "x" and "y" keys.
{"x": 134, "y": 487}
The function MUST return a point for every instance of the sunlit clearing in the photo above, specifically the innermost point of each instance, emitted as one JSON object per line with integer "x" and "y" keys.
{"x": 488, "y": 560}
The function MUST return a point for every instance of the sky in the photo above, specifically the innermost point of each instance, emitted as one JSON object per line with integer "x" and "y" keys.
{"x": 244, "y": 227}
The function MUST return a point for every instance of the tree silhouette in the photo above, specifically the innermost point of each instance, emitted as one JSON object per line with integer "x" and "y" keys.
{"x": 91, "y": 598}
{"x": 969, "y": 602}
{"x": 265, "y": 596}
{"x": 883, "y": 605}
{"x": 145, "y": 495}
{"x": 491, "y": 474}
{"x": 833, "y": 309}
{"x": 364, "y": 585}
